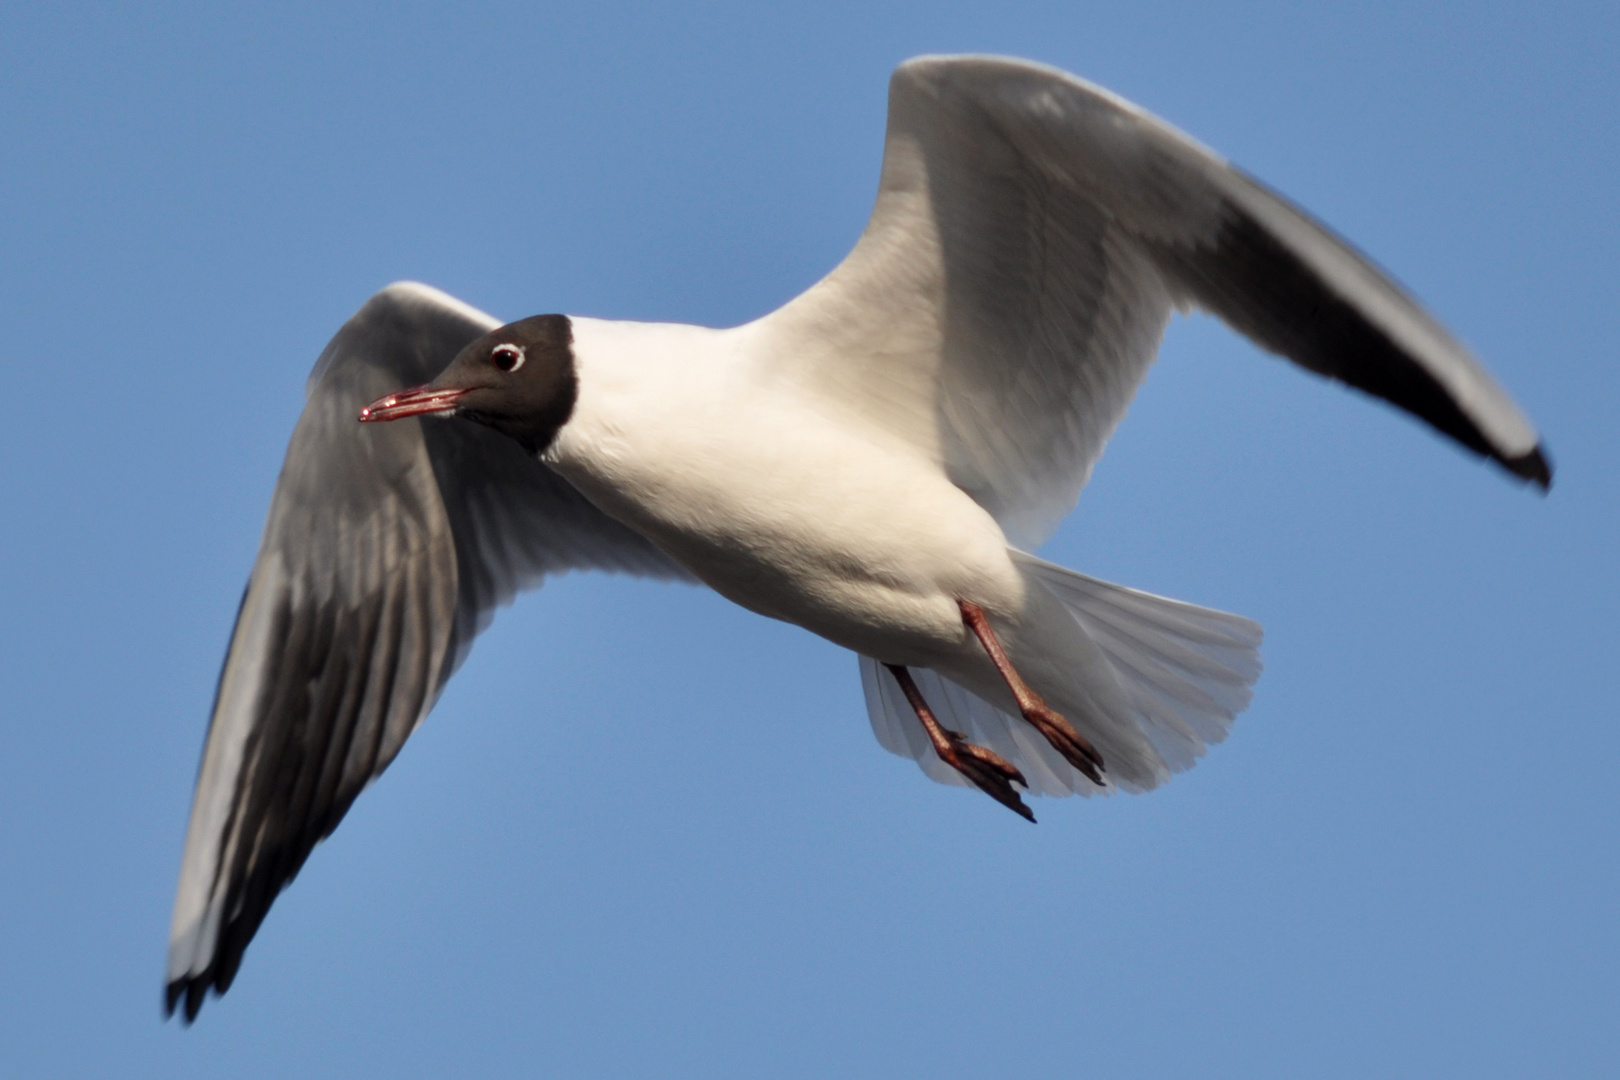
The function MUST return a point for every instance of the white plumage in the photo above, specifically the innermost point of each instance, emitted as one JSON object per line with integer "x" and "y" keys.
{"x": 869, "y": 462}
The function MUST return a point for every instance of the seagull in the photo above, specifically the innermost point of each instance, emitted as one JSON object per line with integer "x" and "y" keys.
{"x": 874, "y": 462}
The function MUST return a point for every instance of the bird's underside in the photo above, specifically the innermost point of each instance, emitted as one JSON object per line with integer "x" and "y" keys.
{"x": 1031, "y": 236}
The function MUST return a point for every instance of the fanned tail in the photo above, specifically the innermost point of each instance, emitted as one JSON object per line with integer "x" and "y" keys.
{"x": 1189, "y": 670}
{"x": 1186, "y": 672}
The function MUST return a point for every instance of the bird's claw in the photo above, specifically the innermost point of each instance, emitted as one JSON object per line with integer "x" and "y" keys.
{"x": 989, "y": 772}
{"x": 1075, "y": 747}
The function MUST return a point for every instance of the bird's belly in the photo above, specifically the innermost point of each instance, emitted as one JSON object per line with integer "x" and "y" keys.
{"x": 868, "y": 550}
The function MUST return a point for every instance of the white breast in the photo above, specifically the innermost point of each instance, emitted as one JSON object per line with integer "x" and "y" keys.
{"x": 686, "y": 436}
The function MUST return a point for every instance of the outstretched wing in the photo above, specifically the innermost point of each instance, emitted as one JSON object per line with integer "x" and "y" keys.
{"x": 1032, "y": 235}
{"x": 387, "y": 549}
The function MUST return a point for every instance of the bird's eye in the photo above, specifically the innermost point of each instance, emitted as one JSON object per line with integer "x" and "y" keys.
{"x": 506, "y": 357}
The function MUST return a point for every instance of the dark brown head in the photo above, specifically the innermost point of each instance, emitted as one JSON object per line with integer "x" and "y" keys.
{"x": 518, "y": 379}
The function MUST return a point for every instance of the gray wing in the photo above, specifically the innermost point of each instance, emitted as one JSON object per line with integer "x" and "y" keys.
{"x": 1031, "y": 237}
{"x": 387, "y": 549}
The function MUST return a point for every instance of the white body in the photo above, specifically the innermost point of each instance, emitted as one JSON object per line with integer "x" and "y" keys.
{"x": 805, "y": 514}
{"x": 681, "y": 433}
{"x": 888, "y": 444}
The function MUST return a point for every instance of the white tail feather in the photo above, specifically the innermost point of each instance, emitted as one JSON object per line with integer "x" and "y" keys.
{"x": 1186, "y": 670}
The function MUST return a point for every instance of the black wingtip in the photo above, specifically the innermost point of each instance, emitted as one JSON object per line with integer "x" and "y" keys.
{"x": 191, "y": 990}
{"x": 1536, "y": 467}
{"x": 196, "y": 990}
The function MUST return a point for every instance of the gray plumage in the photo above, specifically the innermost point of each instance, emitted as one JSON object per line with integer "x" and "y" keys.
{"x": 387, "y": 549}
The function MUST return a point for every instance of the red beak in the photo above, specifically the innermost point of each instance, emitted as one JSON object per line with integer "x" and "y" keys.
{"x": 412, "y": 402}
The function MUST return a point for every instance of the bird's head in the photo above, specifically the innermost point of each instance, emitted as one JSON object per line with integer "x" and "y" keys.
{"x": 518, "y": 379}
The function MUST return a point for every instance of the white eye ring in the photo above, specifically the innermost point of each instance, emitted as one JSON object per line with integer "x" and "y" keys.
{"x": 507, "y": 358}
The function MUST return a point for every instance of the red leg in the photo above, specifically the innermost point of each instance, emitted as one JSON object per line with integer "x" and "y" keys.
{"x": 990, "y": 773}
{"x": 1075, "y": 747}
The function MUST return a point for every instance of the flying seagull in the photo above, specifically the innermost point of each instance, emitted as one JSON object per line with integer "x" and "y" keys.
{"x": 874, "y": 462}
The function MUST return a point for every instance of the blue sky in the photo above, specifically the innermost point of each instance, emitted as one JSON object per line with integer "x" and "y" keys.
{"x": 648, "y": 834}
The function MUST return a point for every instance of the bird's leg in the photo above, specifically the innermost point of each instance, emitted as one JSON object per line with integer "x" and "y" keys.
{"x": 1075, "y": 747}
{"x": 991, "y": 773}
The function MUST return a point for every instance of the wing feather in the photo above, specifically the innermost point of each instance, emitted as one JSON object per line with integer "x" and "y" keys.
{"x": 388, "y": 547}
{"x": 1031, "y": 237}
